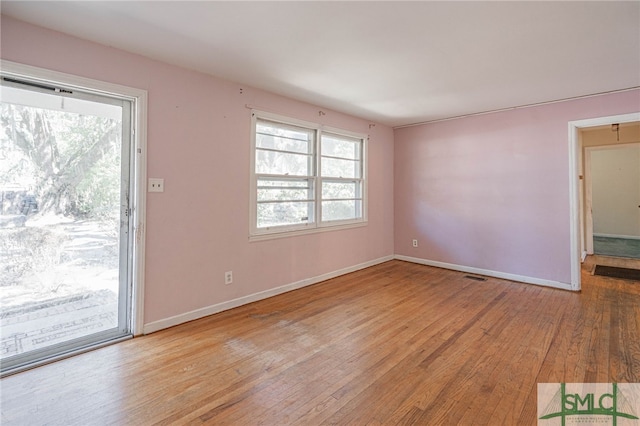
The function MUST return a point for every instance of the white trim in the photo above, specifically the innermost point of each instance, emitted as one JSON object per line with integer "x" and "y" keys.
{"x": 140, "y": 213}
{"x": 586, "y": 215}
{"x": 139, "y": 99}
{"x": 583, "y": 257}
{"x": 575, "y": 232}
{"x": 72, "y": 81}
{"x": 611, "y": 146}
{"x": 293, "y": 233}
{"x": 214, "y": 309}
{"x": 575, "y": 204}
{"x": 624, "y": 237}
{"x": 486, "y": 272}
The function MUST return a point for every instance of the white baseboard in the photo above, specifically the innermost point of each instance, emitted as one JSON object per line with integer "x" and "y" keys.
{"x": 214, "y": 309}
{"x": 584, "y": 256}
{"x": 487, "y": 272}
{"x": 625, "y": 237}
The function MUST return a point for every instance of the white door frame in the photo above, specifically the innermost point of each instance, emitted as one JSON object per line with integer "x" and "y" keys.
{"x": 139, "y": 141}
{"x": 576, "y": 204}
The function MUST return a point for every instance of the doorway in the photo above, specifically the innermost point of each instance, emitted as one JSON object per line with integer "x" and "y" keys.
{"x": 577, "y": 242}
{"x": 612, "y": 191}
{"x": 67, "y": 194}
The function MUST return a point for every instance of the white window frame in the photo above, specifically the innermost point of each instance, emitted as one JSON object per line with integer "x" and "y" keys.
{"x": 317, "y": 225}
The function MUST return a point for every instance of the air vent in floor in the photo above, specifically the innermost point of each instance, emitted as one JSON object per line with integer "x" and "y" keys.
{"x": 471, "y": 277}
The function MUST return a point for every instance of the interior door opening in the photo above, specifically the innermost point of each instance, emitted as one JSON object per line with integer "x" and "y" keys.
{"x": 66, "y": 179}
{"x": 577, "y": 238}
{"x": 611, "y": 209}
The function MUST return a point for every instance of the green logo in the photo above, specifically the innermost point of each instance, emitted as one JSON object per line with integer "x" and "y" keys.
{"x": 589, "y": 403}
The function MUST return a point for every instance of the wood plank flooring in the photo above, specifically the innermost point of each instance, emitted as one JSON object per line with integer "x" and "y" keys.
{"x": 397, "y": 343}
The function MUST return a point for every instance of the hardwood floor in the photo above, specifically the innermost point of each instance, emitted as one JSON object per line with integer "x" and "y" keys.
{"x": 397, "y": 343}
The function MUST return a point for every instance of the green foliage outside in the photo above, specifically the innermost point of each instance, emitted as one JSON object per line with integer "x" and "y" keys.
{"x": 70, "y": 162}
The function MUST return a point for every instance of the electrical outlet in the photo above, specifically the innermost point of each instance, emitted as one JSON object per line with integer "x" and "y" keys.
{"x": 228, "y": 277}
{"x": 156, "y": 185}
{"x": 415, "y": 243}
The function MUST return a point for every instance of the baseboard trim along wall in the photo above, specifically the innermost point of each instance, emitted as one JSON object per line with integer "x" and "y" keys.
{"x": 214, "y": 309}
{"x": 487, "y": 272}
{"x": 624, "y": 237}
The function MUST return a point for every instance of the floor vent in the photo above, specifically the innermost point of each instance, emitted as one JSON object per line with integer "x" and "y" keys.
{"x": 471, "y": 277}
{"x": 613, "y": 272}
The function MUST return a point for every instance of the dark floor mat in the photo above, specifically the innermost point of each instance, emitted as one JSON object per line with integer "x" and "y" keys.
{"x": 613, "y": 272}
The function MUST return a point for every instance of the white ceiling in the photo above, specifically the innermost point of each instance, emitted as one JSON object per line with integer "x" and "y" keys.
{"x": 392, "y": 62}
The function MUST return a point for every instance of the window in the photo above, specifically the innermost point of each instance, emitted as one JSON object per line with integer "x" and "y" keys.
{"x": 305, "y": 177}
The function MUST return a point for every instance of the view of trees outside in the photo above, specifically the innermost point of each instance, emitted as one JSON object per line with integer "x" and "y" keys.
{"x": 285, "y": 169}
{"x": 59, "y": 217}
{"x": 341, "y": 160}
{"x": 285, "y": 155}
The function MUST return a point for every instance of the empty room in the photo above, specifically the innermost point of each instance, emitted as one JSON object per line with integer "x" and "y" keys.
{"x": 358, "y": 212}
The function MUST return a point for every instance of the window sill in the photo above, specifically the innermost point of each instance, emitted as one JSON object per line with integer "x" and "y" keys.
{"x": 286, "y": 234}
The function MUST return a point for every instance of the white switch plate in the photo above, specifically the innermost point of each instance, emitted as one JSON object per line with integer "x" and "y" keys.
{"x": 156, "y": 185}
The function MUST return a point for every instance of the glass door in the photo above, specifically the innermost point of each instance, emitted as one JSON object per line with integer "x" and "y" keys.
{"x": 65, "y": 180}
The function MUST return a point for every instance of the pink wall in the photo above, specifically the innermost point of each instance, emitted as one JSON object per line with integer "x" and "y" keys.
{"x": 492, "y": 191}
{"x": 489, "y": 192}
{"x": 199, "y": 142}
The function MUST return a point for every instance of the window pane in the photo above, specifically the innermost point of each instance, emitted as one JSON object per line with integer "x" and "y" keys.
{"x": 284, "y": 138}
{"x": 280, "y": 163}
{"x": 283, "y": 144}
{"x": 282, "y": 194}
{"x": 284, "y": 190}
{"x": 286, "y": 213}
{"x": 341, "y": 210}
{"x": 342, "y": 147}
{"x": 289, "y": 183}
{"x": 332, "y": 167}
{"x": 340, "y": 190}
